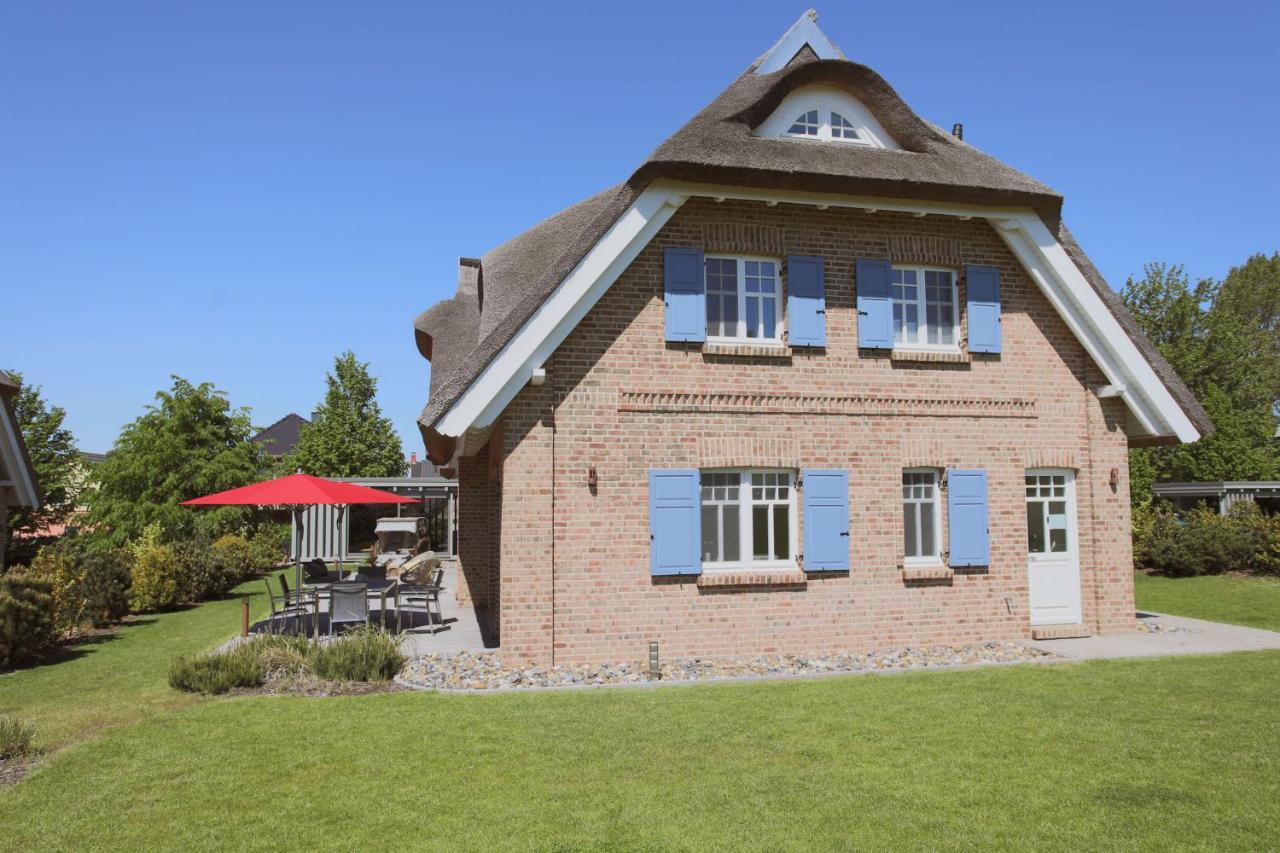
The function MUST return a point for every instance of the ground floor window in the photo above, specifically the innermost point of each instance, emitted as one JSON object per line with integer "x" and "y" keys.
{"x": 748, "y": 519}
{"x": 921, "y": 519}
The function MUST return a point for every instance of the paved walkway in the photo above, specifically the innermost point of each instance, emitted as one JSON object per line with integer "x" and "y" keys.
{"x": 1182, "y": 636}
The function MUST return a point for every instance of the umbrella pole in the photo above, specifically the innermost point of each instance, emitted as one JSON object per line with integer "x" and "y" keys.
{"x": 297, "y": 570}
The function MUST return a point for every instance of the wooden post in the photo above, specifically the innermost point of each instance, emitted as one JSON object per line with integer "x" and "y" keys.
{"x": 244, "y": 616}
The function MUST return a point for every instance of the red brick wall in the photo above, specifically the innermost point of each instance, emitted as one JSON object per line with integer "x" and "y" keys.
{"x": 575, "y": 582}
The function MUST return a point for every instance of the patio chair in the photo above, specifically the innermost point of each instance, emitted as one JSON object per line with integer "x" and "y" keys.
{"x": 348, "y": 602}
{"x": 287, "y": 608}
{"x": 425, "y": 598}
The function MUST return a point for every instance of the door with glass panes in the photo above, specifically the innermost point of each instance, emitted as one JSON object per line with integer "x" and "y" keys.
{"x": 1053, "y": 555}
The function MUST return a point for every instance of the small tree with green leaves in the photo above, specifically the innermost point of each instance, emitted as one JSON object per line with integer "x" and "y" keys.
{"x": 190, "y": 443}
{"x": 59, "y": 469}
{"x": 349, "y": 436}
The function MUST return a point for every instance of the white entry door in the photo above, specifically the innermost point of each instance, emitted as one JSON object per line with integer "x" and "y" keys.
{"x": 1053, "y": 559}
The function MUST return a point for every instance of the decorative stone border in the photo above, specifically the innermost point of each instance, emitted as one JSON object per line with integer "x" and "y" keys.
{"x": 723, "y": 350}
{"x": 780, "y": 577}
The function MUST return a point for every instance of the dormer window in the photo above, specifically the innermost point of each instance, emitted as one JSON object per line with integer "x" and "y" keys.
{"x": 825, "y": 114}
{"x": 806, "y": 125}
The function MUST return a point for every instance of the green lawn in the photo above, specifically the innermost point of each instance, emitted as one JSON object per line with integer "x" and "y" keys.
{"x": 1173, "y": 753}
{"x": 1241, "y": 601}
{"x": 121, "y": 679}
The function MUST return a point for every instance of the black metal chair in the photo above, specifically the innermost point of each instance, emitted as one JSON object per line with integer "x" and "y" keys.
{"x": 288, "y": 607}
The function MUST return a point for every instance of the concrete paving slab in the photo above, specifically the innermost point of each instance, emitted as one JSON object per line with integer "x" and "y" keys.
{"x": 1166, "y": 635}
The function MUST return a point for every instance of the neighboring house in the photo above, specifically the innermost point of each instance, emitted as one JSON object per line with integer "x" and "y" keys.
{"x": 18, "y": 485}
{"x": 280, "y": 438}
{"x": 817, "y": 376}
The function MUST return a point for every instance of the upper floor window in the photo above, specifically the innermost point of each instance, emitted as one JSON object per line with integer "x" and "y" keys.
{"x": 743, "y": 299}
{"x": 924, "y": 308}
{"x": 825, "y": 113}
{"x": 824, "y": 124}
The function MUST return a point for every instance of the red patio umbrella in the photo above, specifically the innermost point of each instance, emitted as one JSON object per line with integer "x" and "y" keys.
{"x": 296, "y": 492}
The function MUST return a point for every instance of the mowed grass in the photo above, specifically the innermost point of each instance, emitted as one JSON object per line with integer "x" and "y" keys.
{"x": 1239, "y": 600}
{"x": 122, "y": 678}
{"x": 1173, "y": 753}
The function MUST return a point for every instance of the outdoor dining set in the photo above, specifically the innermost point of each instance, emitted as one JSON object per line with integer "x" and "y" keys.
{"x": 346, "y": 599}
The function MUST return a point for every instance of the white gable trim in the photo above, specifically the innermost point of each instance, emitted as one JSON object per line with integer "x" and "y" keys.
{"x": 803, "y": 31}
{"x": 1154, "y": 408}
{"x": 21, "y": 478}
{"x": 532, "y": 346}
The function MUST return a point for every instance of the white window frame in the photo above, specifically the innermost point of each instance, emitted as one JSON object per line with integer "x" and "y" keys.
{"x": 826, "y": 100}
{"x": 745, "y": 504}
{"x": 922, "y": 313}
{"x": 741, "y": 337}
{"x": 929, "y": 559}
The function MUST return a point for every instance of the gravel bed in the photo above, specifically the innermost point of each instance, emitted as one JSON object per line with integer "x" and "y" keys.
{"x": 484, "y": 670}
{"x": 1148, "y": 627}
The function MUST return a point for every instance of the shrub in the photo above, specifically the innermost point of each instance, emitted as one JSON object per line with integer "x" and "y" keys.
{"x": 90, "y": 586}
{"x": 201, "y": 576}
{"x": 26, "y": 617}
{"x": 366, "y": 654}
{"x": 17, "y": 738}
{"x": 234, "y": 556}
{"x": 219, "y": 672}
{"x": 155, "y": 579}
{"x": 269, "y": 544}
{"x": 1202, "y": 541}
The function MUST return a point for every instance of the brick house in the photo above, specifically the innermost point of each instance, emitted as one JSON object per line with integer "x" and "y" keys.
{"x": 818, "y": 376}
{"x": 18, "y": 485}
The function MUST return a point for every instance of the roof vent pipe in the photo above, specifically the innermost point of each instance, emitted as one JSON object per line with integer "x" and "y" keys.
{"x": 957, "y": 130}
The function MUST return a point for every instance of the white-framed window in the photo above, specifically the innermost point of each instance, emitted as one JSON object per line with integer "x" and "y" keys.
{"x": 921, "y": 516}
{"x": 925, "y": 310}
{"x": 825, "y": 114}
{"x": 1048, "y": 520}
{"x": 748, "y": 519}
{"x": 744, "y": 299}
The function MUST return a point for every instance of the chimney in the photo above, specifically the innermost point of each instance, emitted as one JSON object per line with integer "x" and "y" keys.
{"x": 957, "y": 130}
{"x": 413, "y": 458}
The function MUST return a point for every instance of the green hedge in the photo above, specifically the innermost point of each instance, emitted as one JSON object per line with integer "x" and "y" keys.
{"x": 1202, "y": 542}
{"x": 90, "y": 586}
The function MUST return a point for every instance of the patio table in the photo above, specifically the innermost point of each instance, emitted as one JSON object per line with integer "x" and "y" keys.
{"x": 379, "y": 589}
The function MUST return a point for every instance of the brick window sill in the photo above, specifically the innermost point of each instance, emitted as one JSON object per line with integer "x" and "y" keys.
{"x": 927, "y": 573}
{"x": 753, "y": 577}
{"x": 746, "y": 350}
{"x": 930, "y": 356}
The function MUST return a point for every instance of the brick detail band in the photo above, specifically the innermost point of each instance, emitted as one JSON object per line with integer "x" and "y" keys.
{"x": 1052, "y": 458}
{"x": 918, "y": 249}
{"x": 821, "y": 404}
{"x": 742, "y": 237}
{"x": 780, "y": 577}
{"x": 744, "y": 452}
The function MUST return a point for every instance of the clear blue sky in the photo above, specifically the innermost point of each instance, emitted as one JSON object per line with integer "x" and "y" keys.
{"x": 237, "y": 191}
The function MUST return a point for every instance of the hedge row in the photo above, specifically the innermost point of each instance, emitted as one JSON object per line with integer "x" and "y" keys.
{"x": 1202, "y": 542}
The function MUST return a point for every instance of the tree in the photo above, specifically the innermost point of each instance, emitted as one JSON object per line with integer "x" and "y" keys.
{"x": 190, "y": 443}
{"x": 1224, "y": 341}
{"x": 349, "y": 437}
{"x": 59, "y": 469}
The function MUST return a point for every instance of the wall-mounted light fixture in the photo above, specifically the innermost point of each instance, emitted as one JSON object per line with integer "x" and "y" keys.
{"x": 655, "y": 670}
{"x": 1115, "y": 479}
{"x": 593, "y": 479}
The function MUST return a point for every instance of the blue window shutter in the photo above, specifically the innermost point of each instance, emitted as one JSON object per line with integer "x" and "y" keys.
{"x": 675, "y": 522}
{"x": 826, "y": 520}
{"x": 806, "y": 301}
{"x": 875, "y": 307}
{"x": 685, "y": 295}
{"x": 967, "y": 518}
{"x": 983, "y": 286}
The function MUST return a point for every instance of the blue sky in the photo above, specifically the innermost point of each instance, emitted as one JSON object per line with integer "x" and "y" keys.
{"x": 235, "y": 192}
